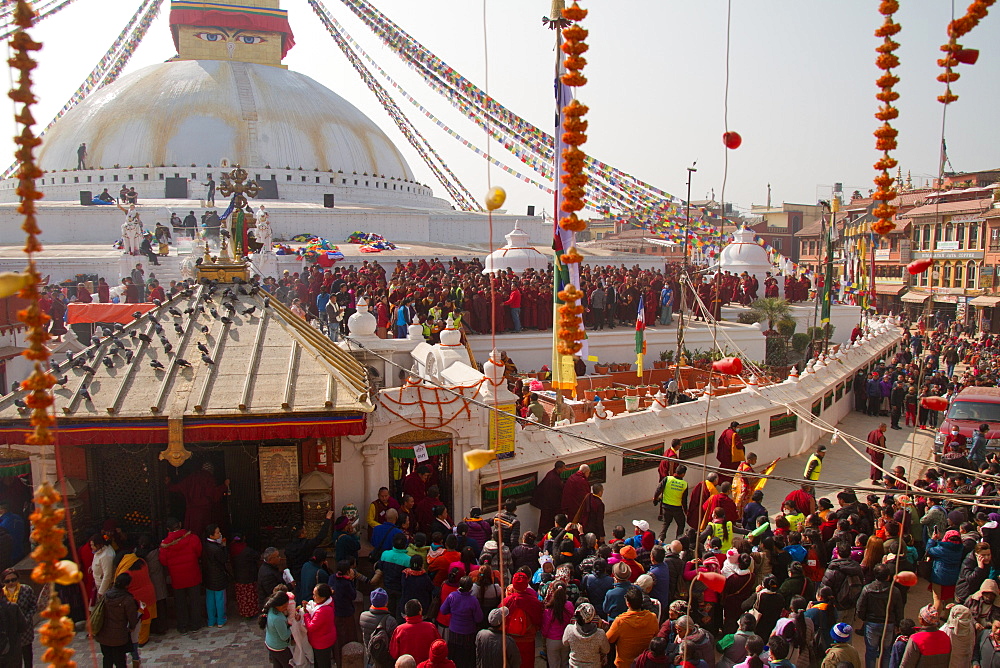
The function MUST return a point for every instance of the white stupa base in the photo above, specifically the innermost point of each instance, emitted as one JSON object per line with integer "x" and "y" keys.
{"x": 264, "y": 264}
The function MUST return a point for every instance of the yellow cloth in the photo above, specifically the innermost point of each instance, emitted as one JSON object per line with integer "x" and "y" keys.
{"x": 12, "y": 595}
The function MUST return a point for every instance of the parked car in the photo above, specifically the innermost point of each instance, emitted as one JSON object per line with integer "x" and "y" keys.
{"x": 974, "y": 406}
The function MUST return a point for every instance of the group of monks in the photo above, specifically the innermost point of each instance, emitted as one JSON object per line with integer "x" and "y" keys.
{"x": 437, "y": 289}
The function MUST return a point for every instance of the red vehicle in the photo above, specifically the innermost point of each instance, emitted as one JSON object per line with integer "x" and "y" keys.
{"x": 974, "y": 406}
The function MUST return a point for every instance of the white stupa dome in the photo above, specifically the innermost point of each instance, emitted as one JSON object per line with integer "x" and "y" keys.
{"x": 203, "y": 111}
{"x": 744, "y": 254}
{"x": 517, "y": 255}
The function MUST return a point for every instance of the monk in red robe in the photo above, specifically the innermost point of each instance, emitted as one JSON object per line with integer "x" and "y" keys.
{"x": 202, "y": 497}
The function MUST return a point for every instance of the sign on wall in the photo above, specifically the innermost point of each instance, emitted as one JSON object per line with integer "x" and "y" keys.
{"x": 503, "y": 430}
{"x": 518, "y": 489}
{"x": 637, "y": 463}
{"x": 695, "y": 446}
{"x": 279, "y": 473}
{"x": 598, "y": 469}
{"x": 783, "y": 423}
{"x": 749, "y": 431}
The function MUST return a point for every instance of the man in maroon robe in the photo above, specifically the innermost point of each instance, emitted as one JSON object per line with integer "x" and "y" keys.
{"x": 202, "y": 496}
{"x": 415, "y": 484}
{"x": 720, "y": 500}
{"x": 547, "y": 497}
{"x": 730, "y": 451}
{"x": 574, "y": 495}
{"x": 699, "y": 495}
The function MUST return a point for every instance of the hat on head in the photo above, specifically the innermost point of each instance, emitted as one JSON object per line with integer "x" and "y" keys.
{"x": 439, "y": 650}
{"x": 379, "y": 598}
{"x": 628, "y": 552}
{"x": 929, "y": 614}
{"x": 679, "y": 606}
{"x": 497, "y": 615}
{"x": 621, "y": 571}
{"x": 586, "y": 612}
{"x": 841, "y": 632}
{"x": 993, "y": 517}
{"x": 342, "y": 523}
{"x": 642, "y": 525}
{"x": 952, "y": 536}
{"x": 520, "y": 581}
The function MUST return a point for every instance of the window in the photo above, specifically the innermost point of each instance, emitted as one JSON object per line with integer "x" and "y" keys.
{"x": 970, "y": 275}
{"x": 960, "y": 235}
{"x": 926, "y": 245}
{"x": 959, "y": 271}
{"x": 974, "y": 236}
{"x": 937, "y": 234}
{"x": 949, "y": 232}
{"x": 288, "y": 177}
{"x": 946, "y": 276}
{"x": 776, "y": 244}
{"x": 90, "y": 179}
{"x": 145, "y": 177}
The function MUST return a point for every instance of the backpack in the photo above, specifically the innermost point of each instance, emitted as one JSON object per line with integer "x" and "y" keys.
{"x": 378, "y": 645}
{"x": 849, "y": 592}
{"x": 97, "y": 617}
{"x": 518, "y": 623}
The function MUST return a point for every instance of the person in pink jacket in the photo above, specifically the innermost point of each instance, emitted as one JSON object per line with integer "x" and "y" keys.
{"x": 321, "y": 628}
{"x": 557, "y": 616}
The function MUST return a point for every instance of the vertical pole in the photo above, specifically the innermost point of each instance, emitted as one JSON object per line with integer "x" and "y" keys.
{"x": 828, "y": 273}
{"x": 683, "y": 284}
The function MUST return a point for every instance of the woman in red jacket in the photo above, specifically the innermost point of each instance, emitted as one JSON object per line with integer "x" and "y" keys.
{"x": 525, "y": 617}
{"x": 320, "y": 625}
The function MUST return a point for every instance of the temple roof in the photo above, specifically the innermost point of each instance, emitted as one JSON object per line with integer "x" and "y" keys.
{"x": 262, "y": 360}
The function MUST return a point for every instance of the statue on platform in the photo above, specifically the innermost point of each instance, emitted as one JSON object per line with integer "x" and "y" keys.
{"x": 262, "y": 230}
{"x": 131, "y": 230}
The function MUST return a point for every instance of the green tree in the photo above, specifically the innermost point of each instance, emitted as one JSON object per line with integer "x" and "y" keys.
{"x": 771, "y": 310}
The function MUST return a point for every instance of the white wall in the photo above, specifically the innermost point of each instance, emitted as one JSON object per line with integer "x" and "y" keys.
{"x": 538, "y": 449}
{"x": 532, "y": 350}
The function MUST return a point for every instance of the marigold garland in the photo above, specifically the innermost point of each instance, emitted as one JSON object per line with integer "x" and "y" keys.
{"x": 885, "y": 134}
{"x": 574, "y": 127}
{"x": 57, "y": 633}
{"x": 955, "y": 54}
{"x": 570, "y": 332}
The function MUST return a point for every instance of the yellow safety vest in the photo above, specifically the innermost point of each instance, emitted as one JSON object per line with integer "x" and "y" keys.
{"x": 795, "y": 522}
{"x": 816, "y": 471}
{"x": 673, "y": 491}
{"x": 719, "y": 531}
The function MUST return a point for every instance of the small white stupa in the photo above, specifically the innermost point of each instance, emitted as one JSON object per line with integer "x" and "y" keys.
{"x": 517, "y": 255}
{"x": 745, "y": 254}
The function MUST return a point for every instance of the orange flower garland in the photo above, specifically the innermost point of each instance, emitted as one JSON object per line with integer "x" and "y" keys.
{"x": 574, "y": 127}
{"x": 885, "y": 135}
{"x": 58, "y": 632}
{"x": 955, "y": 54}
{"x": 570, "y": 333}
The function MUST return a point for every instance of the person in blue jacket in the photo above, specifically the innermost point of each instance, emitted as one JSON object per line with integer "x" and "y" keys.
{"x": 946, "y": 563}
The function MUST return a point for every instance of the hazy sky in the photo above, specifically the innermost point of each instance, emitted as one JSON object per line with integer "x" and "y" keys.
{"x": 801, "y": 85}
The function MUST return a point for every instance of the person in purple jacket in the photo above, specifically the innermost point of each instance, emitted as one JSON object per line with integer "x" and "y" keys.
{"x": 466, "y": 613}
{"x": 480, "y": 530}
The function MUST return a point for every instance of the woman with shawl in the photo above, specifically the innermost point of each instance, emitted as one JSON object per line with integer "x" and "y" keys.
{"x": 962, "y": 630}
{"x": 141, "y": 589}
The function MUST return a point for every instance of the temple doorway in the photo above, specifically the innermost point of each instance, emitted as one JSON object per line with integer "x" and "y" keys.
{"x": 403, "y": 461}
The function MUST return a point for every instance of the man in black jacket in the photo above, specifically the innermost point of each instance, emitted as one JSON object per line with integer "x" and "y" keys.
{"x": 841, "y": 572}
{"x": 299, "y": 548}
{"x": 880, "y": 606}
{"x": 269, "y": 575}
{"x": 975, "y": 569}
{"x": 215, "y": 571}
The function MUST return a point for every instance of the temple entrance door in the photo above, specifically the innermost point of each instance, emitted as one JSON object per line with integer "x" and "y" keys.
{"x": 402, "y": 462}
{"x": 175, "y": 503}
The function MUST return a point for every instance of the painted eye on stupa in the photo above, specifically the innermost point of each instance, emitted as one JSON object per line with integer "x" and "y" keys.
{"x": 250, "y": 39}
{"x": 210, "y": 36}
